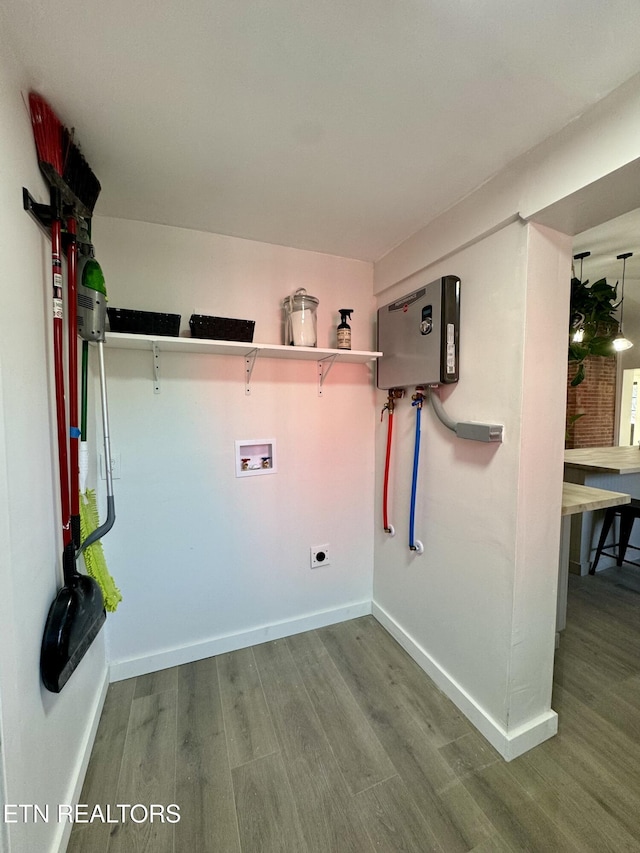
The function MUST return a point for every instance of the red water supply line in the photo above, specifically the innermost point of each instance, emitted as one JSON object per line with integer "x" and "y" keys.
{"x": 385, "y": 491}
{"x": 394, "y": 394}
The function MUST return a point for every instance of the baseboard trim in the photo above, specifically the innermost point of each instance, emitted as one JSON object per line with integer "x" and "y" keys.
{"x": 509, "y": 743}
{"x": 65, "y": 827}
{"x": 166, "y": 658}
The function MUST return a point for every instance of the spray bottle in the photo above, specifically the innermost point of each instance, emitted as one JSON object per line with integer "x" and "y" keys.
{"x": 344, "y": 329}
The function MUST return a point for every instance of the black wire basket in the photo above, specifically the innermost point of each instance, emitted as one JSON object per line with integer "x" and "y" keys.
{"x": 221, "y": 328}
{"x": 143, "y": 322}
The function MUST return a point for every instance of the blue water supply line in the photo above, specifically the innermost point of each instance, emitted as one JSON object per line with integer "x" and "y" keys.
{"x": 415, "y": 544}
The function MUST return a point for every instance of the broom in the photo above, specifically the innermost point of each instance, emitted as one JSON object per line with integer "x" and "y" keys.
{"x": 60, "y": 160}
{"x": 71, "y": 180}
{"x": 47, "y": 132}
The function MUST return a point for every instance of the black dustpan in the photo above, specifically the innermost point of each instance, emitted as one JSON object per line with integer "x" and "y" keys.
{"x": 74, "y": 620}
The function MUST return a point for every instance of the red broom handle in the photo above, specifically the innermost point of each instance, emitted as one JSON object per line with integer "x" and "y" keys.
{"x": 385, "y": 491}
{"x": 58, "y": 358}
{"x": 72, "y": 324}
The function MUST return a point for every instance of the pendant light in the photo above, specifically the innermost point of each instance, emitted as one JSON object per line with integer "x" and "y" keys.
{"x": 578, "y": 335}
{"x": 621, "y": 343}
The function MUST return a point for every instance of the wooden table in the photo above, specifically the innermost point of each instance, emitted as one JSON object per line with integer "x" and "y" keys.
{"x": 577, "y": 499}
{"x": 611, "y": 468}
{"x": 604, "y": 460}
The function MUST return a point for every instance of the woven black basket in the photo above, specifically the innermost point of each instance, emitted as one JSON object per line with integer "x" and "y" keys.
{"x": 143, "y": 322}
{"x": 221, "y": 328}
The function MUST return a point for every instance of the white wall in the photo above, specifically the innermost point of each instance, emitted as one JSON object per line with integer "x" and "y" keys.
{"x": 540, "y": 475}
{"x": 477, "y": 610}
{"x": 44, "y": 736}
{"x": 207, "y": 561}
{"x": 465, "y": 488}
{"x": 464, "y": 606}
{"x": 585, "y": 174}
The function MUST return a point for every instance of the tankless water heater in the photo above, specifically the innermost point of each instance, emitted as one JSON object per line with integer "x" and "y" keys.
{"x": 419, "y": 336}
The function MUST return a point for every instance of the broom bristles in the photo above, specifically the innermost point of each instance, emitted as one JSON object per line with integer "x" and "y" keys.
{"x": 55, "y": 146}
{"x": 77, "y": 172}
{"x": 47, "y": 132}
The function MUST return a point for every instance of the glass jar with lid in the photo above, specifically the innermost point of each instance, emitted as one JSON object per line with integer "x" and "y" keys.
{"x": 301, "y": 325}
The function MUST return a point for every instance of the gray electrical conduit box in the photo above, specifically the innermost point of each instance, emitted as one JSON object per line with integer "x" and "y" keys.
{"x": 480, "y": 432}
{"x": 465, "y": 429}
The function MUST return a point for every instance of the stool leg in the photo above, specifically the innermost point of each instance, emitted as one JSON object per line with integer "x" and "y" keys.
{"x": 626, "y": 526}
{"x": 609, "y": 515}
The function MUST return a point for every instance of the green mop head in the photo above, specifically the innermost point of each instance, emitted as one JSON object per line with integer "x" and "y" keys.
{"x": 94, "y": 560}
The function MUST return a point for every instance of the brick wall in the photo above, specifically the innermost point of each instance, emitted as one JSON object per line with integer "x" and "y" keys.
{"x": 595, "y": 399}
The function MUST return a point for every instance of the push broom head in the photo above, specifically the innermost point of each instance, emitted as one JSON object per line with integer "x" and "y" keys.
{"x": 60, "y": 159}
{"x": 77, "y": 173}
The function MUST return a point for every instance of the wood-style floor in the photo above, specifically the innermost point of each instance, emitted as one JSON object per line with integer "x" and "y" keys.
{"x": 334, "y": 740}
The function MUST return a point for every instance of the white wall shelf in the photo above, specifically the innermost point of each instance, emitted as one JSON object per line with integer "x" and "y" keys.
{"x": 325, "y": 358}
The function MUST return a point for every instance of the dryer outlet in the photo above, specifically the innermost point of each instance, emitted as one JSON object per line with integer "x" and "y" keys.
{"x": 319, "y": 556}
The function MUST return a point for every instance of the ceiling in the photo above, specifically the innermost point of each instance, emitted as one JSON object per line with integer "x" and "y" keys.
{"x": 340, "y": 126}
{"x": 605, "y": 243}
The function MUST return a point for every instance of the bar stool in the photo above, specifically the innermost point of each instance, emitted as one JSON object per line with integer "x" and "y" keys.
{"x": 628, "y": 514}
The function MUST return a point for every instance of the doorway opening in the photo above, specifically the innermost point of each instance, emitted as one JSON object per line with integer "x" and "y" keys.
{"x": 628, "y": 434}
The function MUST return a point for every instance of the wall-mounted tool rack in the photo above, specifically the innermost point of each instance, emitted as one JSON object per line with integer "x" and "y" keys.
{"x": 64, "y": 202}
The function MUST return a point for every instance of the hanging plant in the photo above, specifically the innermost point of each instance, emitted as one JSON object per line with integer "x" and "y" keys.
{"x": 593, "y": 312}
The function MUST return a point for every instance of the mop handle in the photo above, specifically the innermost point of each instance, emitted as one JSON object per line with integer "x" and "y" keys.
{"x": 58, "y": 358}
{"x": 72, "y": 331}
{"x": 111, "y": 509}
{"x": 83, "y": 389}
{"x": 105, "y": 420}
{"x": 83, "y": 462}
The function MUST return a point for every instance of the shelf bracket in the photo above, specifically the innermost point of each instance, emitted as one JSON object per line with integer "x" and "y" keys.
{"x": 322, "y": 372}
{"x": 156, "y": 368}
{"x": 249, "y": 362}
